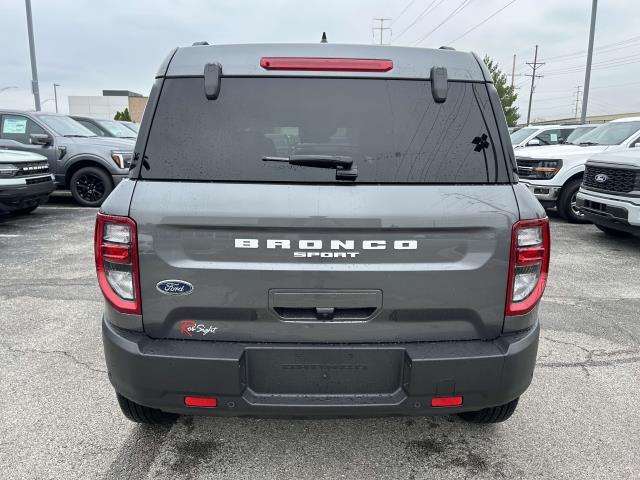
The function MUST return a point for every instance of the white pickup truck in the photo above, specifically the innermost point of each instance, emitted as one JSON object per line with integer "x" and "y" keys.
{"x": 610, "y": 192}
{"x": 554, "y": 174}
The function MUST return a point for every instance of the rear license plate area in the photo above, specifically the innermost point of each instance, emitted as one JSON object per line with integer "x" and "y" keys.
{"x": 324, "y": 371}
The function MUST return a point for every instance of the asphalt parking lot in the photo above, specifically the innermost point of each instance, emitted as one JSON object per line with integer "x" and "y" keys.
{"x": 580, "y": 418}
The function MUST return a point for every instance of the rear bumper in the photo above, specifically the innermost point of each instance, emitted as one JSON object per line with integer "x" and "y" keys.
{"x": 262, "y": 379}
{"x": 20, "y": 195}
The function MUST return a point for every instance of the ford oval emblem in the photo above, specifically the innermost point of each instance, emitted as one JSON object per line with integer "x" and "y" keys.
{"x": 601, "y": 178}
{"x": 174, "y": 287}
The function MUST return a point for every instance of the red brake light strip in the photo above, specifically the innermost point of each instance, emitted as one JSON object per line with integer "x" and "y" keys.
{"x": 326, "y": 64}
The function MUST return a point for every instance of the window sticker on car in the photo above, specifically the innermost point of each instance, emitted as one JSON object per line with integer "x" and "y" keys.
{"x": 553, "y": 137}
{"x": 14, "y": 125}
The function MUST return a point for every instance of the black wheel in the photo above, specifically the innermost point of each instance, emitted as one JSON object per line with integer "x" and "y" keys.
{"x": 141, "y": 414}
{"x": 491, "y": 414}
{"x": 567, "y": 206}
{"x": 612, "y": 231}
{"x": 90, "y": 186}
{"x": 24, "y": 211}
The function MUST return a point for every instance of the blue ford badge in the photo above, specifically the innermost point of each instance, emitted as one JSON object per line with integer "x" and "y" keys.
{"x": 174, "y": 287}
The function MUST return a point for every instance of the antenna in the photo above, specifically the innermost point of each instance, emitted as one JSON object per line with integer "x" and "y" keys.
{"x": 324, "y": 37}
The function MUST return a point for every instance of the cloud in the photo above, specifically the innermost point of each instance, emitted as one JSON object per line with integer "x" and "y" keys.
{"x": 90, "y": 46}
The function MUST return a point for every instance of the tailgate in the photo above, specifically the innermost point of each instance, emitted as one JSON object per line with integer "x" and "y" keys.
{"x": 323, "y": 263}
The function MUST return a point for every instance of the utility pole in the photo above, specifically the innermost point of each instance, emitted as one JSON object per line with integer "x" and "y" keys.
{"x": 380, "y": 28}
{"x": 513, "y": 70}
{"x": 55, "y": 95}
{"x": 533, "y": 76}
{"x": 587, "y": 74}
{"x": 32, "y": 51}
{"x": 577, "y": 99}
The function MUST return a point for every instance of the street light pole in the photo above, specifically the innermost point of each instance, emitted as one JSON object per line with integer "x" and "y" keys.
{"x": 587, "y": 74}
{"x": 55, "y": 94}
{"x": 32, "y": 52}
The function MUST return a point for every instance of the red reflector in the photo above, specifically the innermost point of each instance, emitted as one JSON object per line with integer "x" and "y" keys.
{"x": 446, "y": 401}
{"x": 326, "y": 64}
{"x": 205, "y": 402}
{"x": 530, "y": 255}
{"x": 112, "y": 252}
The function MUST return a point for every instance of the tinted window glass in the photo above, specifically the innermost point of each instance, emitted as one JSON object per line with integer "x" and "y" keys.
{"x": 522, "y": 134}
{"x": 91, "y": 127}
{"x": 579, "y": 132}
{"x": 18, "y": 128}
{"x": 392, "y": 129}
{"x": 554, "y": 137}
{"x": 116, "y": 129}
{"x": 65, "y": 126}
{"x": 613, "y": 133}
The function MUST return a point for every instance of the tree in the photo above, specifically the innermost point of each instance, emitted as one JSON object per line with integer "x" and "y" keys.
{"x": 124, "y": 115}
{"x": 506, "y": 92}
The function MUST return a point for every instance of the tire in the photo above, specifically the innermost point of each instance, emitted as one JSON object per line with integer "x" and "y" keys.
{"x": 567, "y": 202}
{"x": 25, "y": 211}
{"x": 492, "y": 414}
{"x": 141, "y": 414}
{"x": 90, "y": 186}
{"x": 612, "y": 232}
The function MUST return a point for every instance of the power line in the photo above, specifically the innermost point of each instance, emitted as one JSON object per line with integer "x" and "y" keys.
{"x": 402, "y": 12}
{"x": 464, "y": 4}
{"x": 430, "y": 7}
{"x": 381, "y": 28}
{"x": 609, "y": 46}
{"x": 481, "y": 23}
{"x": 608, "y": 61}
{"x": 599, "y": 66}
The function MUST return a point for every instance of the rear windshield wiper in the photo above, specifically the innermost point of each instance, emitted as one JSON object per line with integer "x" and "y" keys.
{"x": 345, "y": 169}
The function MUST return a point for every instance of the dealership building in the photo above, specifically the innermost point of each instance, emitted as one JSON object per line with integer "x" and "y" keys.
{"x": 106, "y": 105}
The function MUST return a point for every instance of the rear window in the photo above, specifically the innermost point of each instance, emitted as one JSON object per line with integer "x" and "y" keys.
{"x": 392, "y": 129}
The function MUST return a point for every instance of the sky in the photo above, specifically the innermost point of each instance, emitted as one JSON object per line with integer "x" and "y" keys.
{"x": 87, "y": 46}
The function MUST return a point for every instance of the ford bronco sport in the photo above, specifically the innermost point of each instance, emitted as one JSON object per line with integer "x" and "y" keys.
{"x": 381, "y": 258}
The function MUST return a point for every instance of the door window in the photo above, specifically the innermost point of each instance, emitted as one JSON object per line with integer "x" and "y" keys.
{"x": 554, "y": 136}
{"x": 18, "y": 128}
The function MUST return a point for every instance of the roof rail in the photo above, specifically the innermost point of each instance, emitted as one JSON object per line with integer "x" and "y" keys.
{"x": 197, "y": 44}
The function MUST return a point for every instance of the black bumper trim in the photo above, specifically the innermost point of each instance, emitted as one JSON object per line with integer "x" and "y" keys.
{"x": 15, "y": 197}
{"x": 159, "y": 373}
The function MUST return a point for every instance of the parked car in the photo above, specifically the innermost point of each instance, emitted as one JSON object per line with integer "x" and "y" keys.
{"x": 610, "y": 193}
{"x": 105, "y": 128}
{"x": 554, "y": 175}
{"x": 366, "y": 272}
{"x": 578, "y": 133}
{"x": 131, "y": 125}
{"x": 536, "y": 136}
{"x": 25, "y": 181}
{"x": 88, "y": 165}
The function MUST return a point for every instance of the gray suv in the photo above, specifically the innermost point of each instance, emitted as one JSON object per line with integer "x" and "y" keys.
{"x": 88, "y": 165}
{"x": 386, "y": 262}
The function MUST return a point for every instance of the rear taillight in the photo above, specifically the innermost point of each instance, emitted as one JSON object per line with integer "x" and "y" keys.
{"x": 326, "y": 64}
{"x": 529, "y": 265}
{"x": 116, "y": 251}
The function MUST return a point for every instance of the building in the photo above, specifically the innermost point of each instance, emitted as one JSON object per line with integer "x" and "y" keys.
{"x": 108, "y": 104}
